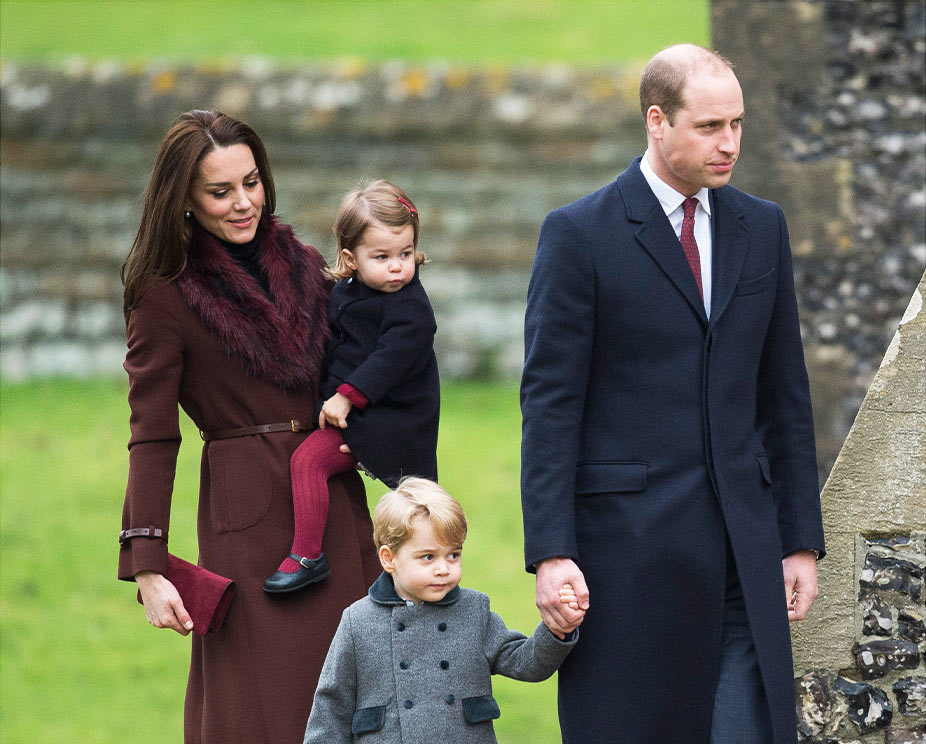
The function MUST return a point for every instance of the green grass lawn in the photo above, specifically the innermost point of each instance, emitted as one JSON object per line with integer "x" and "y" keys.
{"x": 465, "y": 31}
{"x": 78, "y": 662}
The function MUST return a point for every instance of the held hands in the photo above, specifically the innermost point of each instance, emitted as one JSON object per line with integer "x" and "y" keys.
{"x": 800, "y": 571}
{"x": 163, "y": 606}
{"x": 562, "y": 596}
{"x": 334, "y": 412}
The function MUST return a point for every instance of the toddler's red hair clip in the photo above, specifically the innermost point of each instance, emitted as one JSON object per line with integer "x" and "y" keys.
{"x": 408, "y": 206}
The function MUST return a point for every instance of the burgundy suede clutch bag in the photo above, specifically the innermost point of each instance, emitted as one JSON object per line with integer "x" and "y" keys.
{"x": 205, "y": 594}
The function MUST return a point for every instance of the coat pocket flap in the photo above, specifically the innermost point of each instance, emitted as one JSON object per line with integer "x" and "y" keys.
{"x": 610, "y": 477}
{"x": 368, "y": 719}
{"x": 759, "y": 284}
{"x": 480, "y": 709}
{"x": 764, "y": 467}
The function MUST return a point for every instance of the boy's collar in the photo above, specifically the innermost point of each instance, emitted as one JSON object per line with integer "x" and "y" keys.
{"x": 383, "y": 592}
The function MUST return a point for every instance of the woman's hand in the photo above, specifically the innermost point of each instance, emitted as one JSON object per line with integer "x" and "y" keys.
{"x": 334, "y": 411}
{"x": 163, "y": 606}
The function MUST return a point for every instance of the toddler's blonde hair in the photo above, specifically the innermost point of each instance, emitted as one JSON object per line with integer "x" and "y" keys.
{"x": 414, "y": 497}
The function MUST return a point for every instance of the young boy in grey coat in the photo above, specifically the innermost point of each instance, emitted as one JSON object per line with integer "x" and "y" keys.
{"x": 412, "y": 662}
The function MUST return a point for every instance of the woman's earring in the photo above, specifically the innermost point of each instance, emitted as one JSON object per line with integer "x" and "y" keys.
{"x": 187, "y": 214}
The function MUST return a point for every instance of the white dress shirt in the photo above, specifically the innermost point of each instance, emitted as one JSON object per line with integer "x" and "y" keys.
{"x": 671, "y": 202}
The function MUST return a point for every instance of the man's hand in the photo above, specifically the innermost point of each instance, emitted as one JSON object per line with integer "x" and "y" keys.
{"x": 335, "y": 411}
{"x": 800, "y": 570}
{"x": 552, "y": 575}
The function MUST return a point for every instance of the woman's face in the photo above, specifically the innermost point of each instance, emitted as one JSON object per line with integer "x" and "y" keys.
{"x": 227, "y": 195}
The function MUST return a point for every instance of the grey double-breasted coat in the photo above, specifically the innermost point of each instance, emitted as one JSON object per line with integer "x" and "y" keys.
{"x": 413, "y": 674}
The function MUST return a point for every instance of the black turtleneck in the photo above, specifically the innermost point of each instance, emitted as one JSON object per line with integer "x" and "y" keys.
{"x": 246, "y": 256}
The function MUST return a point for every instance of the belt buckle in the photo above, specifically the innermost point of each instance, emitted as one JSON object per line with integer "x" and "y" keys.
{"x": 292, "y": 424}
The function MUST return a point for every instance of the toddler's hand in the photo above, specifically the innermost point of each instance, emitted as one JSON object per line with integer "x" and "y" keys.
{"x": 334, "y": 411}
{"x": 567, "y": 595}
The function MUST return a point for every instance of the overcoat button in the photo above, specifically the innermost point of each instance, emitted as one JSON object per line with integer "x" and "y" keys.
{"x": 442, "y": 627}
{"x": 449, "y": 700}
{"x": 408, "y": 704}
{"x": 445, "y": 665}
{"x": 400, "y": 627}
{"x": 403, "y": 665}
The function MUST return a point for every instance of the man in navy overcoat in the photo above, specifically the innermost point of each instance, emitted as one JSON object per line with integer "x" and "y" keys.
{"x": 668, "y": 464}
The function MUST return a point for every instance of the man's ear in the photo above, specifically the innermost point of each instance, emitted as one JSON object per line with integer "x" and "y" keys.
{"x": 387, "y": 559}
{"x": 655, "y": 121}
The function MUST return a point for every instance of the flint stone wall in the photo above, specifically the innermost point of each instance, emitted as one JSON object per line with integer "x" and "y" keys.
{"x": 835, "y": 94}
{"x": 835, "y": 101}
{"x": 860, "y": 654}
{"x": 835, "y": 111}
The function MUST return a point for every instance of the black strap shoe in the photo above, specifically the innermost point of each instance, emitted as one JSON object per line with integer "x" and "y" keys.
{"x": 309, "y": 572}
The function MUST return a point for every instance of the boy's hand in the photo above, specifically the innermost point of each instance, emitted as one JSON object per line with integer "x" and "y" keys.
{"x": 552, "y": 575}
{"x": 567, "y": 595}
{"x": 334, "y": 412}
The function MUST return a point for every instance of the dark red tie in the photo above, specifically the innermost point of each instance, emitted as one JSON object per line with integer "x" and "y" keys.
{"x": 689, "y": 244}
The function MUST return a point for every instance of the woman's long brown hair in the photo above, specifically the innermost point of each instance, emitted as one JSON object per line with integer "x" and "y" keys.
{"x": 161, "y": 245}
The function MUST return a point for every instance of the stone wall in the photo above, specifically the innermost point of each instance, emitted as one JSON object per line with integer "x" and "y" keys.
{"x": 835, "y": 95}
{"x": 834, "y": 132}
{"x": 485, "y": 153}
{"x": 860, "y": 654}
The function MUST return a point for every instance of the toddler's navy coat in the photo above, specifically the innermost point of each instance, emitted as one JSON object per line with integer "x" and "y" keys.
{"x": 382, "y": 343}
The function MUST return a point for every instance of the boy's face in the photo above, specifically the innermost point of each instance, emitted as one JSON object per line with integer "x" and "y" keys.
{"x": 423, "y": 569}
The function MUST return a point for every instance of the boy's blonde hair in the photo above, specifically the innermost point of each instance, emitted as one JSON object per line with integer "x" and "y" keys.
{"x": 414, "y": 497}
{"x": 378, "y": 201}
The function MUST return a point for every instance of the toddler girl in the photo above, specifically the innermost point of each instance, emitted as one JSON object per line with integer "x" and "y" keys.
{"x": 381, "y": 390}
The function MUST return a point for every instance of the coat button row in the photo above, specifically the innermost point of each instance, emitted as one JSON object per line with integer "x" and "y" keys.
{"x": 443, "y": 665}
{"x": 441, "y": 627}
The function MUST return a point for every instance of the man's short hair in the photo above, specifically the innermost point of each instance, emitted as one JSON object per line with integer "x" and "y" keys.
{"x": 663, "y": 80}
{"x": 414, "y": 497}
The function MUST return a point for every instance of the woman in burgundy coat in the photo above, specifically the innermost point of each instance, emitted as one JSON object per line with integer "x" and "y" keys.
{"x": 225, "y": 314}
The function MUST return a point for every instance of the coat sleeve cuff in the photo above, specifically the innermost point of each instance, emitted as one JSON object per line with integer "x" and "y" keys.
{"x": 357, "y": 399}
{"x": 142, "y": 554}
{"x": 550, "y": 638}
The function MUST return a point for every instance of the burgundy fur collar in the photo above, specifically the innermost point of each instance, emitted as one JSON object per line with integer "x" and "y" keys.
{"x": 283, "y": 340}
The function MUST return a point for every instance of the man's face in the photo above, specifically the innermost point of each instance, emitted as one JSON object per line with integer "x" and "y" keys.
{"x": 702, "y": 145}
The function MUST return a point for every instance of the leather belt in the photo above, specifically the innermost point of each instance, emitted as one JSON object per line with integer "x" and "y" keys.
{"x": 142, "y": 532}
{"x": 250, "y": 431}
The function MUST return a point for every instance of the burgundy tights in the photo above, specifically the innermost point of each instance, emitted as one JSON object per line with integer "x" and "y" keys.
{"x": 317, "y": 459}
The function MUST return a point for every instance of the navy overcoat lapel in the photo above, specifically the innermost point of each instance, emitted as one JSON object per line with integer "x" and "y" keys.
{"x": 730, "y": 242}
{"x": 656, "y": 235}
